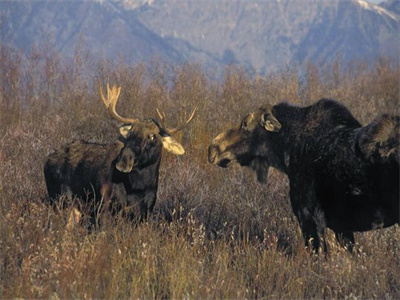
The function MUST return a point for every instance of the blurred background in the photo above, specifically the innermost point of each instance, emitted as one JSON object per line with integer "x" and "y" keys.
{"x": 262, "y": 36}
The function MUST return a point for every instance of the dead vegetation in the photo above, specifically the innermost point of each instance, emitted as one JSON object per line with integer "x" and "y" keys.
{"x": 214, "y": 233}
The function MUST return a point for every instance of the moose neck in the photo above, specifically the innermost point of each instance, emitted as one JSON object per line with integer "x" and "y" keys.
{"x": 288, "y": 116}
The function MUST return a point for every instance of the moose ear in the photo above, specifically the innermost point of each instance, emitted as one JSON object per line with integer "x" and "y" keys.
{"x": 124, "y": 130}
{"x": 270, "y": 123}
{"x": 172, "y": 145}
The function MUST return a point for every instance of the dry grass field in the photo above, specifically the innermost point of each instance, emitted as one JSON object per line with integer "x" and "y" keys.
{"x": 214, "y": 233}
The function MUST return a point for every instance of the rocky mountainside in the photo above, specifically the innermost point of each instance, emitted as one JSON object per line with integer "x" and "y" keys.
{"x": 261, "y": 35}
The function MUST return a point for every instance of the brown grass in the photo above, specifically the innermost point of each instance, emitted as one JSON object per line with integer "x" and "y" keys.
{"x": 214, "y": 233}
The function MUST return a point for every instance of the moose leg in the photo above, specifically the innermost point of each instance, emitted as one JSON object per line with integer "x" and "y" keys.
{"x": 312, "y": 234}
{"x": 135, "y": 209}
{"x": 310, "y": 216}
{"x": 140, "y": 203}
{"x": 53, "y": 186}
{"x": 345, "y": 239}
{"x": 101, "y": 203}
{"x": 106, "y": 195}
{"x": 147, "y": 204}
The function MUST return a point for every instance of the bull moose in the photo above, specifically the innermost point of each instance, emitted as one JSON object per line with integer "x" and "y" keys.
{"x": 341, "y": 175}
{"x": 124, "y": 173}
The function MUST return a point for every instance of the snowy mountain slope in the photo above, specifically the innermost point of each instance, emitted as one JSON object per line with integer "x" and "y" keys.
{"x": 261, "y": 35}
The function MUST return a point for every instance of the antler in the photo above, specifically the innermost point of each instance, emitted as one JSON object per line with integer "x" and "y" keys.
{"x": 182, "y": 124}
{"x": 111, "y": 101}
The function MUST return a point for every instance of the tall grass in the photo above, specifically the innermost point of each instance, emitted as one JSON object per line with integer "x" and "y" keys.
{"x": 214, "y": 233}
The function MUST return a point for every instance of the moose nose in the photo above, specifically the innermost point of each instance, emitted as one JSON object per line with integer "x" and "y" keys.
{"x": 212, "y": 153}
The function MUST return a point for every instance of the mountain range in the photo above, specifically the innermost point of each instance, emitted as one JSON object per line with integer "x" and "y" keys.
{"x": 261, "y": 35}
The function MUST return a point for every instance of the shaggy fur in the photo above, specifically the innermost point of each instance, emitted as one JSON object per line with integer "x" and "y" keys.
{"x": 342, "y": 175}
{"x": 122, "y": 175}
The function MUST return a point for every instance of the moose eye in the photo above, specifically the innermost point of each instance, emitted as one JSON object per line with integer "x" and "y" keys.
{"x": 152, "y": 137}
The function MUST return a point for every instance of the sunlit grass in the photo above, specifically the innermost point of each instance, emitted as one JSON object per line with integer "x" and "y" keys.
{"x": 214, "y": 233}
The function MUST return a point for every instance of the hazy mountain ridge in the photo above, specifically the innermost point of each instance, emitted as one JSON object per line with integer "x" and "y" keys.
{"x": 268, "y": 34}
{"x": 102, "y": 27}
{"x": 392, "y": 6}
{"x": 262, "y": 35}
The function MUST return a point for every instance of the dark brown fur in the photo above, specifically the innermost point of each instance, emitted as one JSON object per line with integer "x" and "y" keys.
{"x": 83, "y": 169}
{"x": 342, "y": 175}
{"x": 122, "y": 175}
{"x": 380, "y": 140}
